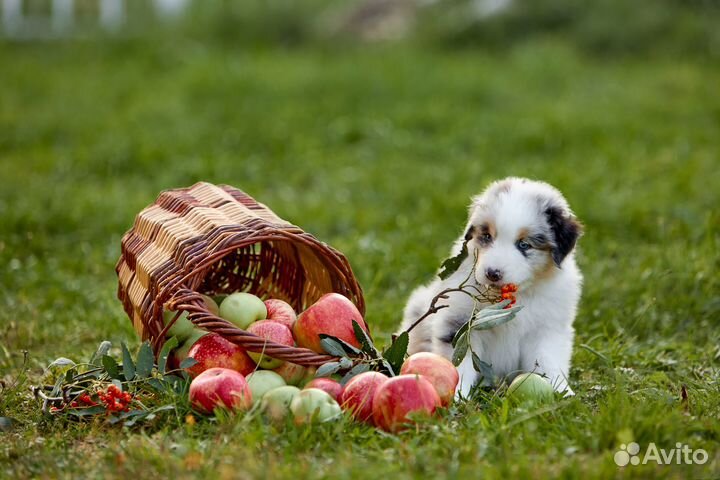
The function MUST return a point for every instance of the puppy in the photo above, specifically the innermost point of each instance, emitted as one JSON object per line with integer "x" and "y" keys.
{"x": 522, "y": 232}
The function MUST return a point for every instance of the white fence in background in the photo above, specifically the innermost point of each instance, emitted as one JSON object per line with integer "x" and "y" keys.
{"x": 60, "y": 19}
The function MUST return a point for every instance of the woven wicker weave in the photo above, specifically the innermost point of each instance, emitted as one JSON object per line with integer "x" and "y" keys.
{"x": 214, "y": 240}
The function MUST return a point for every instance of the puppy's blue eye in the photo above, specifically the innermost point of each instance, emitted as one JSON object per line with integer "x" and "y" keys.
{"x": 486, "y": 238}
{"x": 523, "y": 246}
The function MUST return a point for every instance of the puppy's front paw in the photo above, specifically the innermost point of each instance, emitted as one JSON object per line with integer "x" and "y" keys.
{"x": 468, "y": 377}
{"x": 463, "y": 388}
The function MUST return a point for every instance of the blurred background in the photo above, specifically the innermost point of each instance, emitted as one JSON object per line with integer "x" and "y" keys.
{"x": 370, "y": 124}
{"x": 600, "y": 27}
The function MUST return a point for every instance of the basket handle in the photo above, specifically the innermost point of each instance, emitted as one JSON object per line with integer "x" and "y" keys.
{"x": 199, "y": 315}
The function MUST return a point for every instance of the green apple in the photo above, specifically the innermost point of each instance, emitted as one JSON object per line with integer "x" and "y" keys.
{"x": 181, "y": 352}
{"x": 530, "y": 388}
{"x": 242, "y": 309}
{"x": 262, "y": 381}
{"x": 276, "y": 402}
{"x": 314, "y": 405}
{"x": 182, "y": 328}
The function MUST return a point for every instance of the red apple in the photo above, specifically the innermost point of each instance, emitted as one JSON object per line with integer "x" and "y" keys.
{"x": 292, "y": 373}
{"x": 212, "y": 350}
{"x": 357, "y": 396}
{"x": 274, "y": 331}
{"x": 332, "y": 315}
{"x": 438, "y": 370}
{"x": 220, "y": 387}
{"x": 401, "y": 396}
{"x": 332, "y": 387}
{"x": 280, "y": 311}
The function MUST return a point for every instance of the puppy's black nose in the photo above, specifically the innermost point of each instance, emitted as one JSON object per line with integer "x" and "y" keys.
{"x": 493, "y": 274}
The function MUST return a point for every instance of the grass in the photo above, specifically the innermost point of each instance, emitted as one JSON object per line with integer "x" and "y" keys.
{"x": 375, "y": 151}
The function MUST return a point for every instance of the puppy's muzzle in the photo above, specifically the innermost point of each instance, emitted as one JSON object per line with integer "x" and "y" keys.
{"x": 493, "y": 274}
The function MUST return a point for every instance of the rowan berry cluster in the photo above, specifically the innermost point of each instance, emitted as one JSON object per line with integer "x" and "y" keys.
{"x": 508, "y": 293}
{"x": 114, "y": 399}
{"x": 83, "y": 400}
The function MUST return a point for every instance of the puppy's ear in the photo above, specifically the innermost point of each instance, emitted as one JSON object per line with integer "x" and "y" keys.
{"x": 470, "y": 232}
{"x": 566, "y": 230}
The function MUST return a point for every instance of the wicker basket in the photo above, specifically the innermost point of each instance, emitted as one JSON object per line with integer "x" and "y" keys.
{"x": 216, "y": 239}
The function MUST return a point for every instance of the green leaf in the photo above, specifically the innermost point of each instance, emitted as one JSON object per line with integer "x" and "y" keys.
{"x": 356, "y": 370}
{"x": 450, "y": 265}
{"x": 483, "y": 368}
{"x": 331, "y": 346}
{"x": 461, "y": 331}
{"x": 489, "y": 317}
{"x": 164, "y": 408}
{"x": 461, "y": 348}
{"x": 395, "y": 353}
{"x": 57, "y": 387}
{"x": 345, "y": 363}
{"x": 70, "y": 375}
{"x": 349, "y": 349}
{"x": 365, "y": 342}
{"x": 84, "y": 412}
{"x": 145, "y": 361}
{"x": 128, "y": 365}
{"x": 170, "y": 344}
{"x": 499, "y": 306}
{"x": 129, "y": 418}
{"x": 157, "y": 384}
{"x": 101, "y": 351}
{"x": 327, "y": 369}
{"x": 219, "y": 298}
{"x": 111, "y": 366}
{"x": 188, "y": 362}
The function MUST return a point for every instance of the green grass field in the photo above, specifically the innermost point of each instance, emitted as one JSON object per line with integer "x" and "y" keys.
{"x": 376, "y": 152}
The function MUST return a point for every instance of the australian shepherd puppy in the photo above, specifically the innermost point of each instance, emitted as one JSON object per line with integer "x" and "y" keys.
{"x": 519, "y": 232}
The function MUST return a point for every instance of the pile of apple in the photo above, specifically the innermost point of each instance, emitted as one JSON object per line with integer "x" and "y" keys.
{"x": 226, "y": 376}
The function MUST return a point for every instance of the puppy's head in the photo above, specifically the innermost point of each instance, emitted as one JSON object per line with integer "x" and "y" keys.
{"x": 521, "y": 230}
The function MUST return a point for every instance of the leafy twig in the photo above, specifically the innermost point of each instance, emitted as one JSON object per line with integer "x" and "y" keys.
{"x": 465, "y": 287}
